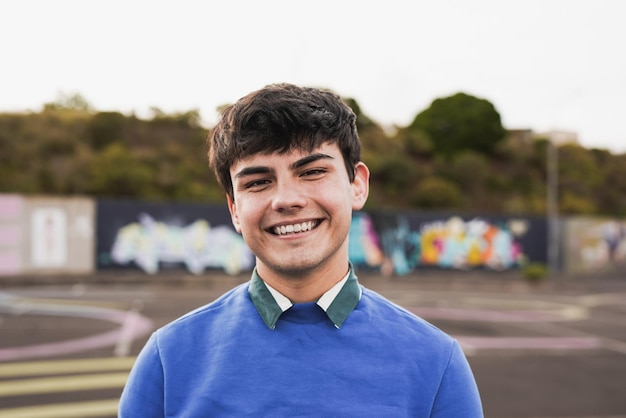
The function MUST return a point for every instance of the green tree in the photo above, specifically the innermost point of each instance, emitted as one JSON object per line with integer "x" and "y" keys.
{"x": 610, "y": 192}
{"x": 105, "y": 128}
{"x": 395, "y": 173}
{"x": 116, "y": 172}
{"x": 436, "y": 192}
{"x": 470, "y": 169}
{"x": 73, "y": 101}
{"x": 460, "y": 122}
{"x": 578, "y": 178}
{"x": 415, "y": 143}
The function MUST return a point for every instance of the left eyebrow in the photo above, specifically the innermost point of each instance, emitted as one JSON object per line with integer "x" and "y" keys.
{"x": 308, "y": 160}
{"x": 251, "y": 171}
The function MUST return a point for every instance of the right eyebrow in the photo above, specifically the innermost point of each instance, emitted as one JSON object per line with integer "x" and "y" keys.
{"x": 253, "y": 170}
{"x": 309, "y": 159}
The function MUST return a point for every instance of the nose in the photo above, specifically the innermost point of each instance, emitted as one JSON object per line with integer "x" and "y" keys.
{"x": 288, "y": 196}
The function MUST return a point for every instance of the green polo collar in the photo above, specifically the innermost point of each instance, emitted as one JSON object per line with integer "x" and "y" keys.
{"x": 344, "y": 303}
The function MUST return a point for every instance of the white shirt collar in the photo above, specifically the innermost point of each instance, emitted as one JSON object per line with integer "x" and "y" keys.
{"x": 323, "y": 302}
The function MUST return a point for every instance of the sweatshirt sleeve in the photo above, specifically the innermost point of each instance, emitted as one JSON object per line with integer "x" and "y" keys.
{"x": 458, "y": 393}
{"x": 143, "y": 393}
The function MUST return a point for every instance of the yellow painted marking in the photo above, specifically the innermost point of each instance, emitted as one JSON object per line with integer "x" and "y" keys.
{"x": 62, "y": 384}
{"x": 65, "y": 410}
{"x": 32, "y": 368}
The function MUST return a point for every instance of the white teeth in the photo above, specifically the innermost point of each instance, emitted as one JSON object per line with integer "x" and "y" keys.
{"x": 290, "y": 229}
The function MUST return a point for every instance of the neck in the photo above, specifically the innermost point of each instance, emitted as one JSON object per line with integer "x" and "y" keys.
{"x": 303, "y": 286}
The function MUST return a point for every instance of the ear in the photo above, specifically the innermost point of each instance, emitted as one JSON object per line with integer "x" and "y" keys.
{"x": 232, "y": 208}
{"x": 360, "y": 185}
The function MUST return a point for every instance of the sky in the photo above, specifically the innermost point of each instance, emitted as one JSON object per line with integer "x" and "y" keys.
{"x": 544, "y": 64}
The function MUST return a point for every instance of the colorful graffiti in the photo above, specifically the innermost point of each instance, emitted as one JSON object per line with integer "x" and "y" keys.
{"x": 198, "y": 246}
{"x": 475, "y": 243}
{"x": 384, "y": 243}
{"x": 451, "y": 244}
{"x": 364, "y": 248}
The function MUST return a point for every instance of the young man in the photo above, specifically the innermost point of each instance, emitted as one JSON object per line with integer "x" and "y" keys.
{"x": 303, "y": 337}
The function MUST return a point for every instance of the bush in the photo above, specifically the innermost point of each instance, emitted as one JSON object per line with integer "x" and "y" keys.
{"x": 437, "y": 193}
{"x": 535, "y": 272}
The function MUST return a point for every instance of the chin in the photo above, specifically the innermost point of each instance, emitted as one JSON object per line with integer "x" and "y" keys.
{"x": 294, "y": 268}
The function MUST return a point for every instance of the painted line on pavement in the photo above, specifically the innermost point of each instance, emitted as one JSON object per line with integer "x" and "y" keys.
{"x": 489, "y": 315}
{"x": 603, "y": 299}
{"x": 63, "y": 384}
{"x": 132, "y": 325}
{"x": 24, "y": 386}
{"x": 65, "y": 410}
{"x": 529, "y": 313}
{"x": 529, "y": 343}
{"x": 61, "y": 348}
{"x": 43, "y": 368}
{"x": 589, "y": 416}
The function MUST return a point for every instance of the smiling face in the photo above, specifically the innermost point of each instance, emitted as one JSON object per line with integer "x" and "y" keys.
{"x": 294, "y": 211}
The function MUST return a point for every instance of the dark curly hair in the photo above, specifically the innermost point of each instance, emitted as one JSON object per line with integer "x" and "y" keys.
{"x": 281, "y": 118}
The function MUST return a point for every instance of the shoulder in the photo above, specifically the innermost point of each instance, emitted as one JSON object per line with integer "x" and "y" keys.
{"x": 396, "y": 318}
{"x": 398, "y": 333}
{"x": 221, "y": 311}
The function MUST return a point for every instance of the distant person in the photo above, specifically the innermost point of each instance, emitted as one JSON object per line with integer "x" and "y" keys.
{"x": 303, "y": 337}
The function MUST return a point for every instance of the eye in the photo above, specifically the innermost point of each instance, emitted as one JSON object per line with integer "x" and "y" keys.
{"x": 313, "y": 172}
{"x": 257, "y": 184}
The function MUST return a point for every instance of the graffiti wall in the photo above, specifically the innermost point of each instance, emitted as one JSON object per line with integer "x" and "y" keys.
{"x": 401, "y": 243}
{"x": 75, "y": 235}
{"x": 153, "y": 236}
{"x": 594, "y": 245}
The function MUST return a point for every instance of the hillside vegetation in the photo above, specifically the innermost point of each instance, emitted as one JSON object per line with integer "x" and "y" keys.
{"x": 455, "y": 155}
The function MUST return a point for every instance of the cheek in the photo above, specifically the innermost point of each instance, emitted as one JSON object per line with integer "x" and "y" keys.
{"x": 248, "y": 211}
{"x": 337, "y": 200}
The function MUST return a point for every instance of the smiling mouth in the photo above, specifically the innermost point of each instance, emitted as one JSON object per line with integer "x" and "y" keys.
{"x": 295, "y": 228}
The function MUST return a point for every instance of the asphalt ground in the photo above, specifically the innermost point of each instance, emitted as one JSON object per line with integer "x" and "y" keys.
{"x": 556, "y": 349}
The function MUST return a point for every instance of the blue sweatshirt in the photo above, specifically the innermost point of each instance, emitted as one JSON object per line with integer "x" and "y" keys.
{"x": 225, "y": 360}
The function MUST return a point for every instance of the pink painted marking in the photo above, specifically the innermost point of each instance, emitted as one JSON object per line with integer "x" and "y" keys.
{"x": 132, "y": 324}
{"x": 529, "y": 343}
{"x": 484, "y": 315}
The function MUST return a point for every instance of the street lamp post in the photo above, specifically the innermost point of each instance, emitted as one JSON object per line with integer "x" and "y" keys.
{"x": 553, "y": 207}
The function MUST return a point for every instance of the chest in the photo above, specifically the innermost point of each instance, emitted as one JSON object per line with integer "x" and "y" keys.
{"x": 305, "y": 371}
